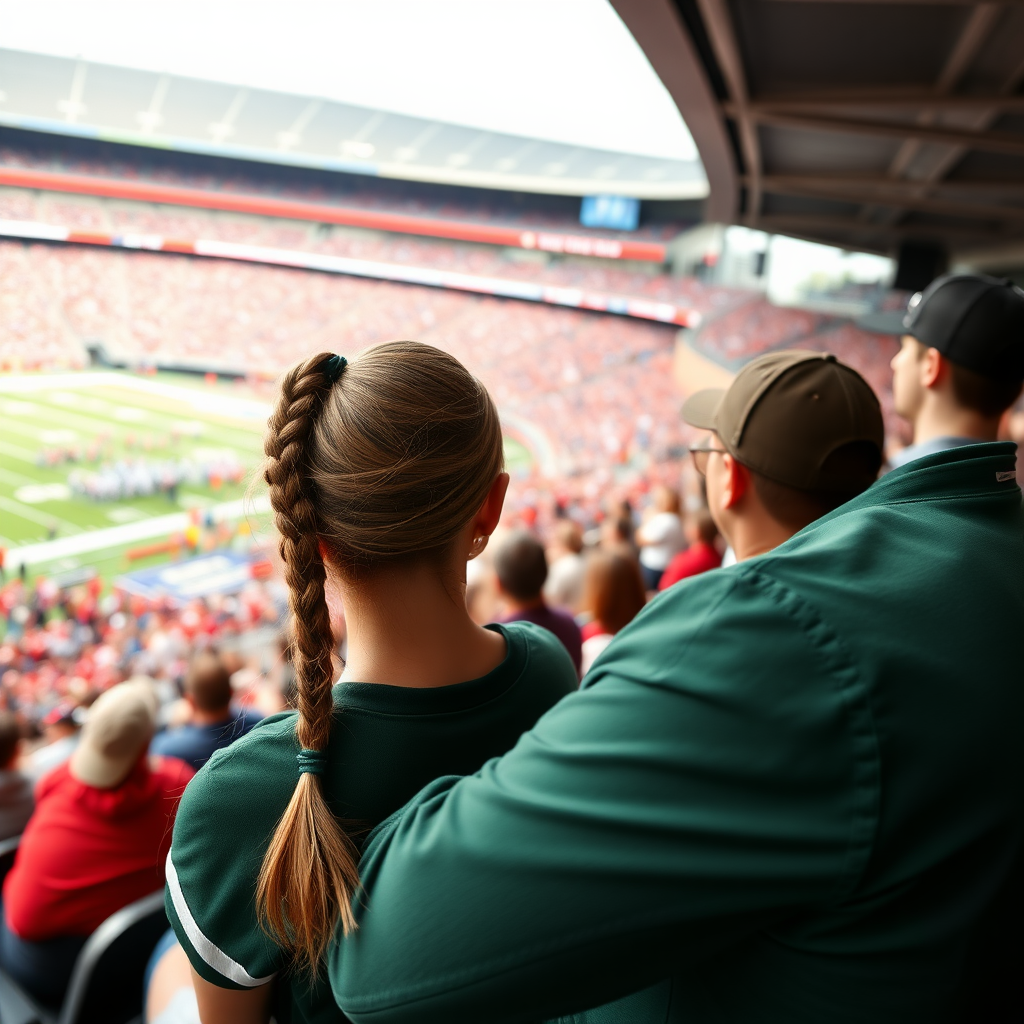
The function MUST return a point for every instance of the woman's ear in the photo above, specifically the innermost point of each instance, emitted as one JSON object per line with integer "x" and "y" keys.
{"x": 486, "y": 521}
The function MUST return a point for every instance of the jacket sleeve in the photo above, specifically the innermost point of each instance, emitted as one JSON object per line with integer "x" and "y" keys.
{"x": 717, "y": 772}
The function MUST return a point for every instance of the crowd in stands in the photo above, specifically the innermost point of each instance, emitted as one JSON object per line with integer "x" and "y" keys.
{"x": 123, "y": 217}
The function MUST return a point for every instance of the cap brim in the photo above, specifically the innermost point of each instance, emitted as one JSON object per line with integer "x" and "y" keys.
{"x": 701, "y": 409}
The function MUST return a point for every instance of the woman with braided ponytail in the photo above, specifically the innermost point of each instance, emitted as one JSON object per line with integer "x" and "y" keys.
{"x": 385, "y": 474}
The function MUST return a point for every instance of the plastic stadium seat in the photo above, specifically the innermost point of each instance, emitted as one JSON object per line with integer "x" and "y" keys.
{"x": 8, "y": 848}
{"x": 106, "y": 984}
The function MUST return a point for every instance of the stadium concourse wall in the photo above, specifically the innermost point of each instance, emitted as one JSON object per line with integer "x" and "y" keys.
{"x": 329, "y": 213}
{"x": 693, "y": 371}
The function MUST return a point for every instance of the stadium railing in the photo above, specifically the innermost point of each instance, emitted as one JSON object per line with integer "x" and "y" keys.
{"x": 8, "y": 849}
{"x": 106, "y": 984}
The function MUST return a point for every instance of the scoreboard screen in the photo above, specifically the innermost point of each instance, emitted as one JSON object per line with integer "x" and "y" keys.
{"x": 618, "y": 212}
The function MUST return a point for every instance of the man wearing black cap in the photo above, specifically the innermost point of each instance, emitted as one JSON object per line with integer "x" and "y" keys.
{"x": 961, "y": 363}
{"x": 790, "y": 788}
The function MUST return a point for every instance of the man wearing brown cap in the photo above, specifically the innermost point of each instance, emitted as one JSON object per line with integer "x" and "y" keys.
{"x": 796, "y": 436}
{"x": 790, "y": 788}
{"x": 96, "y": 842}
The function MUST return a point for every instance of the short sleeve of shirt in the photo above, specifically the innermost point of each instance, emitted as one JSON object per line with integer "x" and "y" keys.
{"x": 221, "y": 833}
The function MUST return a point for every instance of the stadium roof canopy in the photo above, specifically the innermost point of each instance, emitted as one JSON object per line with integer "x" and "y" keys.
{"x": 862, "y": 123}
{"x": 117, "y": 104}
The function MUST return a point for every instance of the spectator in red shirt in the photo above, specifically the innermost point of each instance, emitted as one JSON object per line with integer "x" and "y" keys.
{"x": 97, "y": 841}
{"x": 700, "y": 556}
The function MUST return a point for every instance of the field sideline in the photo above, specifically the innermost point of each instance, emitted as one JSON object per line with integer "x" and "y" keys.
{"x": 102, "y": 418}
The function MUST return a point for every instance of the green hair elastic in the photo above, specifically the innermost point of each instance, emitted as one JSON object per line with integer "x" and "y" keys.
{"x": 334, "y": 367}
{"x": 311, "y": 762}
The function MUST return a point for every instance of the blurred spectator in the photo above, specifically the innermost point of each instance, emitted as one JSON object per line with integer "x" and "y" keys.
{"x": 60, "y": 738}
{"x": 213, "y": 723}
{"x": 616, "y": 534}
{"x": 700, "y": 556}
{"x": 16, "y": 801}
{"x": 481, "y": 591}
{"x": 613, "y": 593}
{"x": 521, "y": 568}
{"x": 97, "y": 841}
{"x": 661, "y": 536}
{"x": 564, "y": 586}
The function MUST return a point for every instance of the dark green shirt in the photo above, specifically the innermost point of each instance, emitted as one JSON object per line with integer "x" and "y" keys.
{"x": 387, "y": 743}
{"x": 793, "y": 787}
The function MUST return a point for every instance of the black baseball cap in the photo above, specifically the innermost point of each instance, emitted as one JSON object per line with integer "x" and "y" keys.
{"x": 974, "y": 320}
{"x": 787, "y": 413}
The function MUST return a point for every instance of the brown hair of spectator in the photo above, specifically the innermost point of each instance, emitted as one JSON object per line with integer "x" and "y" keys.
{"x": 704, "y": 525}
{"x": 521, "y": 565}
{"x": 381, "y": 465}
{"x": 666, "y": 499}
{"x": 208, "y": 683}
{"x": 569, "y": 535}
{"x": 10, "y": 737}
{"x": 976, "y": 392}
{"x": 857, "y": 461}
{"x": 613, "y": 589}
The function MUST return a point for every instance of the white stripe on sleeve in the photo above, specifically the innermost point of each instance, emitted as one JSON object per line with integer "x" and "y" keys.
{"x": 214, "y": 956}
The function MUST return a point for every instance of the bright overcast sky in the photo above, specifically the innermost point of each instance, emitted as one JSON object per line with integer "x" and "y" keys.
{"x": 566, "y": 70}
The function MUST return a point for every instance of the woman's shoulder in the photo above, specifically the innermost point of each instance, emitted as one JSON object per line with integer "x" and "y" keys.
{"x": 247, "y": 771}
{"x": 542, "y": 655}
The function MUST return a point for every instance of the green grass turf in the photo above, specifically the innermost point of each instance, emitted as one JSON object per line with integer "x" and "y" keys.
{"x": 79, "y": 414}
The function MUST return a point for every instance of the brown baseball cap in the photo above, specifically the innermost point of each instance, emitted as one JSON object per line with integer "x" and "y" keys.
{"x": 794, "y": 417}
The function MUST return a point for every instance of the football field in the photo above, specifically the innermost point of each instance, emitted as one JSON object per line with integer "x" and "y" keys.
{"x": 97, "y": 464}
{"x": 100, "y": 453}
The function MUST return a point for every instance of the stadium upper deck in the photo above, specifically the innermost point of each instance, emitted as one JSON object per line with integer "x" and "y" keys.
{"x": 518, "y": 219}
{"x": 74, "y": 97}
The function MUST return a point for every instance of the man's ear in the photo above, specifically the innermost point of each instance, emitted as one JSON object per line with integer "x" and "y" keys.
{"x": 934, "y": 367}
{"x": 486, "y": 521}
{"x": 737, "y": 481}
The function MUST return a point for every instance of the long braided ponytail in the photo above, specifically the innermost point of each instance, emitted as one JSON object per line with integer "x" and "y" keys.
{"x": 384, "y": 463}
{"x": 310, "y": 871}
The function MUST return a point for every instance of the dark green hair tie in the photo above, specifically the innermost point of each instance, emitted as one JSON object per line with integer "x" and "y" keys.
{"x": 334, "y": 367}
{"x": 312, "y": 762}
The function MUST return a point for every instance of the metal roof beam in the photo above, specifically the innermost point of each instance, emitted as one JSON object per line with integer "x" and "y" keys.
{"x": 852, "y": 228}
{"x": 842, "y": 100}
{"x": 903, "y": 200}
{"x": 993, "y": 142}
{"x": 720, "y": 29}
{"x": 975, "y": 32}
{"x": 896, "y": 186}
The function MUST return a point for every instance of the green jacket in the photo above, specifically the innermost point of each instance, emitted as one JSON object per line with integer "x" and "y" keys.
{"x": 793, "y": 787}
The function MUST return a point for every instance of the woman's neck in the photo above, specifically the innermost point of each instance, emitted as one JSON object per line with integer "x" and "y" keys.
{"x": 409, "y": 626}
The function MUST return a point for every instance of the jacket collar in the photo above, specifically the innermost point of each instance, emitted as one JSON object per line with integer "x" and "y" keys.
{"x": 972, "y": 470}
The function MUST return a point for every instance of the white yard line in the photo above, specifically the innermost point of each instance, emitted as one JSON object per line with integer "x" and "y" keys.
{"x": 17, "y": 452}
{"x": 16, "y": 508}
{"x": 114, "y": 536}
{"x": 8, "y": 476}
{"x": 226, "y": 405}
